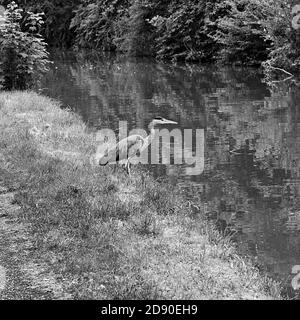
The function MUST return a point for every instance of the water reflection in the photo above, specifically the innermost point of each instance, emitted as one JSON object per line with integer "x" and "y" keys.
{"x": 251, "y": 181}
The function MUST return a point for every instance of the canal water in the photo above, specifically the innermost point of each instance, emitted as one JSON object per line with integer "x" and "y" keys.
{"x": 251, "y": 180}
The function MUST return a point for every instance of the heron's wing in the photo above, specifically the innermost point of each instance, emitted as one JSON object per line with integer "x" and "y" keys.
{"x": 135, "y": 148}
{"x": 129, "y": 147}
{"x": 107, "y": 154}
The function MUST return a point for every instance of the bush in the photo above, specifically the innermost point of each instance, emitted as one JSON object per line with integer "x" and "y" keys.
{"x": 256, "y": 32}
{"x": 23, "y": 52}
{"x": 180, "y": 33}
{"x": 176, "y": 30}
{"x": 242, "y": 32}
{"x": 94, "y": 23}
{"x": 135, "y": 35}
{"x": 58, "y": 15}
{"x": 285, "y": 51}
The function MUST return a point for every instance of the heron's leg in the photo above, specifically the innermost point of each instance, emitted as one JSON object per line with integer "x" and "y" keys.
{"x": 129, "y": 172}
{"x": 128, "y": 167}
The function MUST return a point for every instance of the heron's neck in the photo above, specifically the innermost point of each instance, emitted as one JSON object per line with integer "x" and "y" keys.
{"x": 152, "y": 130}
{"x": 152, "y": 133}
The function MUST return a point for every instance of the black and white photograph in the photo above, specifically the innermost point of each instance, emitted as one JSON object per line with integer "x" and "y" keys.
{"x": 149, "y": 152}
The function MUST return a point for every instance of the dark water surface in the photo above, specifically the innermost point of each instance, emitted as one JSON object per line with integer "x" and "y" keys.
{"x": 251, "y": 179}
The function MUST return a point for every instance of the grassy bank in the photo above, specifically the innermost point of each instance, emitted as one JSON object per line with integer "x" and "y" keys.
{"x": 108, "y": 236}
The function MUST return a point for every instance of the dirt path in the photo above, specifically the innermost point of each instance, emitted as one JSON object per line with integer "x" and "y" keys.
{"x": 21, "y": 275}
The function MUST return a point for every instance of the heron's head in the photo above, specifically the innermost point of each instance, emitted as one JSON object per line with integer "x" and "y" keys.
{"x": 161, "y": 121}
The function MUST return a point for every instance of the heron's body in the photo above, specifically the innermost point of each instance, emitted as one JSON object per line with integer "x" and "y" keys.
{"x": 129, "y": 147}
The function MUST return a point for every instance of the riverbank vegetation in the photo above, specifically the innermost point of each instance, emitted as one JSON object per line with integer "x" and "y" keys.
{"x": 248, "y": 32}
{"x": 23, "y": 54}
{"x": 107, "y": 236}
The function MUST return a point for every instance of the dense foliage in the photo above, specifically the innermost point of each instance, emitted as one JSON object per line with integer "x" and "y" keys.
{"x": 232, "y": 31}
{"x": 95, "y": 22}
{"x": 58, "y": 14}
{"x": 251, "y": 32}
{"x": 285, "y": 49}
{"x": 256, "y": 31}
{"x": 167, "y": 30}
{"x": 23, "y": 54}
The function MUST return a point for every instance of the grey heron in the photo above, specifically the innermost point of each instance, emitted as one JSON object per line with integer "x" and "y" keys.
{"x": 129, "y": 147}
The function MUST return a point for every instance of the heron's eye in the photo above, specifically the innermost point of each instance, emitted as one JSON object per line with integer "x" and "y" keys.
{"x": 158, "y": 118}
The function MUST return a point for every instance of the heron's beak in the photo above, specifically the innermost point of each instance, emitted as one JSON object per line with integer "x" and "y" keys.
{"x": 171, "y": 122}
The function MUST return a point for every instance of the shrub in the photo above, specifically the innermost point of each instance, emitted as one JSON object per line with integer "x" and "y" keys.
{"x": 58, "y": 15}
{"x": 242, "y": 32}
{"x": 23, "y": 52}
{"x": 94, "y": 23}
{"x": 259, "y": 31}
{"x": 180, "y": 31}
{"x": 285, "y": 51}
{"x": 135, "y": 35}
